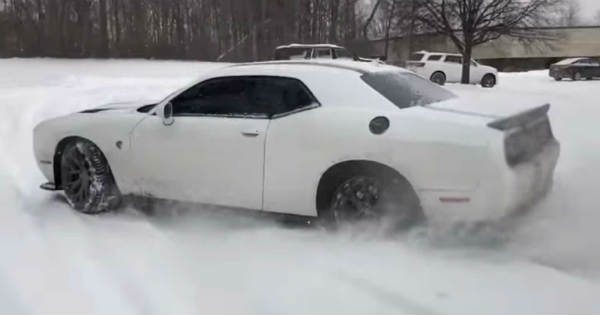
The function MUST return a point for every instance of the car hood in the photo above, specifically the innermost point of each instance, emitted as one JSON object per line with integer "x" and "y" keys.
{"x": 121, "y": 106}
{"x": 490, "y": 110}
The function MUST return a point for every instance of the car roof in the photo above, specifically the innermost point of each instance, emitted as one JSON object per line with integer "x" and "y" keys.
{"x": 309, "y": 46}
{"x": 288, "y": 66}
{"x": 569, "y": 61}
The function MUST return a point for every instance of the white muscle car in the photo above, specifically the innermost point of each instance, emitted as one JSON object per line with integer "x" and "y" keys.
{"x": 338, "y": 141}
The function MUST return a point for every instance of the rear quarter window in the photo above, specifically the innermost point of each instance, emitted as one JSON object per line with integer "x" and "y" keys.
{"x": 454, "y": 59}
{"x": 416, "y": 57}
{"x": 292, "y": 53}
{"x": 405, "y": 89}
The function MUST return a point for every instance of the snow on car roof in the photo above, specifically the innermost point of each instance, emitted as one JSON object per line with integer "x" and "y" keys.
{"x": 309, "y": 46}
{"x": 436, "y": 53}
{"x": 568, "y": 61}
{"x": 320, "y": 65}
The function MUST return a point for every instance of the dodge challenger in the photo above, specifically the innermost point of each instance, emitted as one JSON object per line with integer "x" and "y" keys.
{"x": 342, "y": 142}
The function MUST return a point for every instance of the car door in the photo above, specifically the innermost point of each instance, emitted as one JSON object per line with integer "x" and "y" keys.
{"x": 453, "y": 66}
{"x": 592, "y": 68}
{"x": 212, "y": 153}
{"x": 582, "y": 67}
{"x": 476, "y": 73}
{"x": 595, "y": 68}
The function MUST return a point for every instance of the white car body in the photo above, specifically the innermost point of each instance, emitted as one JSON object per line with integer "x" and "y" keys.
{"x": 454, "y": 160}
{"x": 432, "y": 62}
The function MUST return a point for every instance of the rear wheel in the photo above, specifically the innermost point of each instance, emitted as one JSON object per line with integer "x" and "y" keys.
{"x": 86, "y": 178}
{"x": 375, "y": 198}
{"x": 438, "y": 78}
{"x": 488, "y": 81}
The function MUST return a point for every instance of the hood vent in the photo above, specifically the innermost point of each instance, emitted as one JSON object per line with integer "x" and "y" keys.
{"x": 95, "y": 110}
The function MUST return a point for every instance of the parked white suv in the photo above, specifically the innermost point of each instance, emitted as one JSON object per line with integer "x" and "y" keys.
{"x": 317, "y": 51}
{"x": 442, "y": 67}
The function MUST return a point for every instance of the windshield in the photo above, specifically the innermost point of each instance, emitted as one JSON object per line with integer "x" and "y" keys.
{"x": 406, "y": 89}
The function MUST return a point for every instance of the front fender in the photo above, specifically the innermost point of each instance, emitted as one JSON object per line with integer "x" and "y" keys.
{"x": 110, "y": 132}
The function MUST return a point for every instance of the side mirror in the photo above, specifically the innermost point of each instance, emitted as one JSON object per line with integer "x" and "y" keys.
{"x": 166, "y": 114}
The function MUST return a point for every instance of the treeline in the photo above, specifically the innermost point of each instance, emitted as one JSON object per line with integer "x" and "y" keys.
{"x": 183, "y": 29}
{"x": 246, "y": 30}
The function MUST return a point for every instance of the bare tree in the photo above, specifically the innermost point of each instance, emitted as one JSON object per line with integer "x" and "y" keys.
{"x": 390, "y": 13}
{"x": 365, "y": 30}
{"x": 103, "y": 17}
{"x": 570, "y": 13}
{"x": 334, "y": 7}
{"x": 469, "y": 23}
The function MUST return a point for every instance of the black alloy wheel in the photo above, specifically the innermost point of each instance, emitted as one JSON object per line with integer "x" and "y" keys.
{"x": 86, "y": 179}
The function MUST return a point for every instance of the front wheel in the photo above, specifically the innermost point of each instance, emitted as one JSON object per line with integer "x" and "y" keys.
{"x": 375, "y": 198}
{"x": 558, "y": 78}
{"x": 86, "y": 178}
{"x": 488, "y": 81}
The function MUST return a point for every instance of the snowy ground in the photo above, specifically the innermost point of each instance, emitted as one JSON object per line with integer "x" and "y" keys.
{"x": 53, "y": 260}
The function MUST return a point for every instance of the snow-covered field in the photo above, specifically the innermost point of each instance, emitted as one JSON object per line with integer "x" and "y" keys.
{"x": 53, "y": 260}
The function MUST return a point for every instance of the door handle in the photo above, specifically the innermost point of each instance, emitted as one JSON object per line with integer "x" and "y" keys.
{"x": 251, "y": 133}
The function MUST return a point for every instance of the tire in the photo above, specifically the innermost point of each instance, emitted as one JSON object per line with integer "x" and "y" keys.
{"x": 488, "y": 81}
{"x": 373, "y": 196}
{"x": 558, "y": 78}
{"x": 438, "y": 78}
{"x": 87, "y": 179}
{"x": 577, "y": 76}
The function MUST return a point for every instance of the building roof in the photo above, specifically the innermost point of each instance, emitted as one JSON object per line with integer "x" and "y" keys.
{"x": 555, "y": 42}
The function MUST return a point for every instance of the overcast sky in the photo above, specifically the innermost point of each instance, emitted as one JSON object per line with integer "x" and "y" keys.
{"x": 589, "y": 8}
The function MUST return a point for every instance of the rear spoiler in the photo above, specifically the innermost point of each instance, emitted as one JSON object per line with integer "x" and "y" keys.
{"x": 520, "y": 119}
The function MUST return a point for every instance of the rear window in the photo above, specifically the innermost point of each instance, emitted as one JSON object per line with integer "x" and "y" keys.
{"x": 416, "y": 57}
{"x": 405, "y": 89}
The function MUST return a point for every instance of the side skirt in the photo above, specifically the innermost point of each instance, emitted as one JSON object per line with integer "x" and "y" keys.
{"x": 50, "y": 187}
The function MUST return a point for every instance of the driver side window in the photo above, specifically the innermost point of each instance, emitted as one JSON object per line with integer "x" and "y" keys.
{"x": 218, "y": 97}
{"x": 251, "y": 97}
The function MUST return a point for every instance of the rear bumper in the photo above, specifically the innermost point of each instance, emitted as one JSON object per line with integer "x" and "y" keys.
{"x": 528, "y": 182}
{"x": 505, "y": 191}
